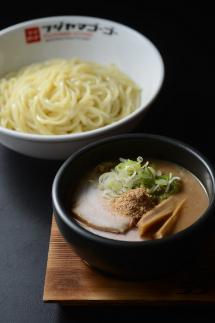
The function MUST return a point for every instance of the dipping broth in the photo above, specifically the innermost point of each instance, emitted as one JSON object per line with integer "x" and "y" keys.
{"x": 96, "y": 214}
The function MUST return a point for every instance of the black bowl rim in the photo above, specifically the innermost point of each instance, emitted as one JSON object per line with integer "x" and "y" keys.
{"x": 74, "y": 225}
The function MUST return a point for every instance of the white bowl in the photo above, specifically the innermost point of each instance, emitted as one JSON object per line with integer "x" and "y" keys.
{"x": 88, "y": 38}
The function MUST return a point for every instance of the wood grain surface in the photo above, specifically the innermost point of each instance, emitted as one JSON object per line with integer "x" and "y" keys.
{"x": 70, "y": 281}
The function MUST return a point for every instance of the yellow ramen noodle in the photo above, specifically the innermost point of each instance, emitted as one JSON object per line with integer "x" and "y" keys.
{"x": 64, "y": 96}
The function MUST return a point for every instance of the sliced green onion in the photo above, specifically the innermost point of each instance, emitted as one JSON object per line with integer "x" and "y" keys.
{"x": 129, "y": 174}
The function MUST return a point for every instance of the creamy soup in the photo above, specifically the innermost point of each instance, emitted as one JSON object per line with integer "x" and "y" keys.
{"x": 95, "y": 212}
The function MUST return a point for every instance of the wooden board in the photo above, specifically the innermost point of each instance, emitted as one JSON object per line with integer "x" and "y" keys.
{"x": 68, "y": 280}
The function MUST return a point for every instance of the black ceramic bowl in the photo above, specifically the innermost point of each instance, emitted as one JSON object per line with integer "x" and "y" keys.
{"x": 146, "y": 258}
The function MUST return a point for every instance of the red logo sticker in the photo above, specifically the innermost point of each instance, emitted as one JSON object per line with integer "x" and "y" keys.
{"x": 32, "y": 35}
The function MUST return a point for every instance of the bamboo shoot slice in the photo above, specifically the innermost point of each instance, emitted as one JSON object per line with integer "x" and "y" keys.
{"x": 151, "y": 222}
{"x": 158, "y": 213}
{"x": 168, "y": 225}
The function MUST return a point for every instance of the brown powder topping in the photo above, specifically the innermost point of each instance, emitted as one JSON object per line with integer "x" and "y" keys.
{"x": 133, "y": 203}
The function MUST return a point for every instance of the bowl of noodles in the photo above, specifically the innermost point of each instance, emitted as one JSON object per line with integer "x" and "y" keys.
{"x": 67, "y": 81}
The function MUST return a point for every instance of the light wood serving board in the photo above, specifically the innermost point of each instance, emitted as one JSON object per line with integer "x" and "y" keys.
{"x": 70, "y": 281}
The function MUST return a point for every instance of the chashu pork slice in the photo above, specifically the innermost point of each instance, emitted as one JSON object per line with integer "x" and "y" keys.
{"x": 93, "y": 209}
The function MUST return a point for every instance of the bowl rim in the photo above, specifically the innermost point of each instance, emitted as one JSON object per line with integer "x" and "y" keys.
{"x": 74, "y": 225}
{"x": 95, "y": 132}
